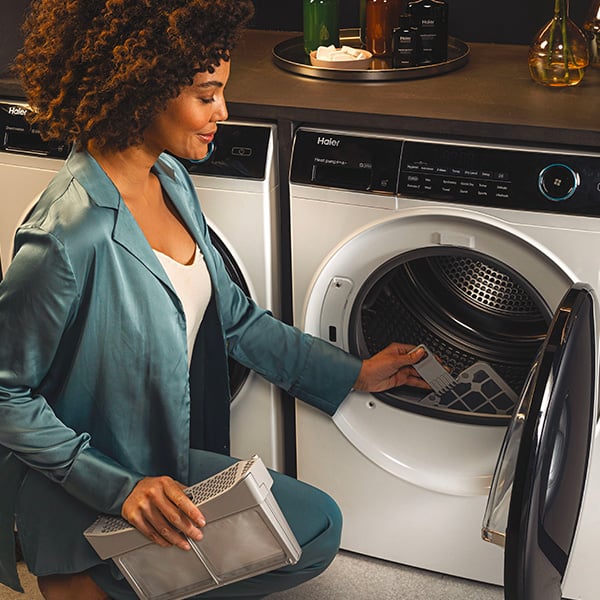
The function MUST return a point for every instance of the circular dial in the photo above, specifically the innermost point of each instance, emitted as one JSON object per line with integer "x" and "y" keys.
{"x": 558, "y": 182}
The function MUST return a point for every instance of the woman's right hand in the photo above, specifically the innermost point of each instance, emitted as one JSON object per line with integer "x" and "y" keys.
{"x": 158, "y": 508}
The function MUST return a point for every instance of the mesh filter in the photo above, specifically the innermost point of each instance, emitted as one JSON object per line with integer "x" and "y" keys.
{"x": 246, "y": 534}
{"x": 219, "y": 483}
{"x": 111, "y": 524}
{"x": 199, "y": 493}
{"x": 464, "y": 308}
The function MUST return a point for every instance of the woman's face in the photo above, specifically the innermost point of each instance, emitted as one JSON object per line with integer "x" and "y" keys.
{"x": 188, "y": 123}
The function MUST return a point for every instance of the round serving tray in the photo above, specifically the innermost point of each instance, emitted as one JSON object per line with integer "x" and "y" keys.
{"x": 290, "y": 55}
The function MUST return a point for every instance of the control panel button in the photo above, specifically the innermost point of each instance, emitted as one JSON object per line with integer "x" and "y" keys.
{"x": 558, "y": 182}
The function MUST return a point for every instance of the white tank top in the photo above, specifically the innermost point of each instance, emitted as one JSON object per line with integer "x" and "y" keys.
{"x": 193, "y": 286}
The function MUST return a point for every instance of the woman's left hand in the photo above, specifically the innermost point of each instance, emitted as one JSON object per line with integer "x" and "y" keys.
{"x": 391, "y": 367}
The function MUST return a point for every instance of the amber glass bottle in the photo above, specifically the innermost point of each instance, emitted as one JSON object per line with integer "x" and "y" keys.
{"x": 559, "y": 53}
{"x": 382, "y": 17}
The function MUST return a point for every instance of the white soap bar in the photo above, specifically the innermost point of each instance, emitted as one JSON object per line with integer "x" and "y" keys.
{"x": 332, "y": 53}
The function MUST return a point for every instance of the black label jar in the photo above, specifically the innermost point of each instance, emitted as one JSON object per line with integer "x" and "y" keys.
{"x": 430, "y": 17}
{"x": 405, "y": 44}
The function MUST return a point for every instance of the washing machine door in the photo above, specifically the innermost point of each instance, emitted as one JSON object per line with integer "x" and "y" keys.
{"x": 538, "y": 486}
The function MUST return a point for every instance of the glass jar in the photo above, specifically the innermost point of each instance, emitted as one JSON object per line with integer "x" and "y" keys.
{"x": 559, "y": 54}
{"x": 321, "y": 24}
{"x": 382, "y": 17}
{"x": 591, "y": 27}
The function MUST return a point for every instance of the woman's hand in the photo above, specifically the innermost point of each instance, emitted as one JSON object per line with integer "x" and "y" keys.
{"x": 390, "y": 368}
{"x": 158, "y": 507}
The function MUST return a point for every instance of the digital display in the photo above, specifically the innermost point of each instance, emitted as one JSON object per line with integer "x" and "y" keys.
{"x": 346, "y": 162}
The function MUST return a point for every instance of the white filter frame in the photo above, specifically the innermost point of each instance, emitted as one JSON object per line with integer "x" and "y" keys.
{"x": 246, "y": 534}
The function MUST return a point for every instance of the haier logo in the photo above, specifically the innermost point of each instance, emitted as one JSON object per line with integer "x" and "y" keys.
{"x": 328, "y": 141}
{"x": 18, "y": 111}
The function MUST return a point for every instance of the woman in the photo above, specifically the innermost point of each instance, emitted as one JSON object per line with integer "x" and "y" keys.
{"x": 113, "y": 377}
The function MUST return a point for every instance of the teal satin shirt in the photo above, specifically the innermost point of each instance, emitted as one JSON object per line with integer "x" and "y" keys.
{"x": 95, "y": 391}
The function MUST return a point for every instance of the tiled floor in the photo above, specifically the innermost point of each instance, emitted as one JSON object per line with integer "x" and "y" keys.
{"x": 351, "y": 577}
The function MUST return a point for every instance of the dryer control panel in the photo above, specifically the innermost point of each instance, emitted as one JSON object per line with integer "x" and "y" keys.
{"x": 522, "y": 179}
{"x": 546, "y": 180}
{"x": 18, "y": 136}
{"x": 241, "y": 151}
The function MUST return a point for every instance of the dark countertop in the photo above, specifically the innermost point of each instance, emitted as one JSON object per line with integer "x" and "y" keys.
{"x": 491, "y": 98}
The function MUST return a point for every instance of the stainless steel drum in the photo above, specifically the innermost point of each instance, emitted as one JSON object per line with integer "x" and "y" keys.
{"x": 465, "y": 307}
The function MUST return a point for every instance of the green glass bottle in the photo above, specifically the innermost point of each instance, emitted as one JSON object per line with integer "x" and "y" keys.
{"x": 362, "y": 19}
{"x": 321, "y": 24}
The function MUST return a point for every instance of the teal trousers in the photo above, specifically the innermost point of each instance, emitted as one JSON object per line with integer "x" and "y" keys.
{"x": 312, "y": 515}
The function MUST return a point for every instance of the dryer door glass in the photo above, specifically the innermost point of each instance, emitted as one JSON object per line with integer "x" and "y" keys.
{"x": 538, "y": 486}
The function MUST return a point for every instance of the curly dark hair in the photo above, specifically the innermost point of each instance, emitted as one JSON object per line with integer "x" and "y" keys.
{"x": 102, "y": 69}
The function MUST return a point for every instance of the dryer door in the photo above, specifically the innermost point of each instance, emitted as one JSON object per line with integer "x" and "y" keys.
{"x": 538, "y": 486}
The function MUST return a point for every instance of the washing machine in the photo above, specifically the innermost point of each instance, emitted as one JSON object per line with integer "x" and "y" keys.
{"x": 486, "y": 254}
{"x": 238, "y": 191}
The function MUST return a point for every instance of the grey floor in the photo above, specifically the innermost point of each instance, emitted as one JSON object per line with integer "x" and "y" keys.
{"x": 350, "y": 577}
{"x": 355, "y": 577}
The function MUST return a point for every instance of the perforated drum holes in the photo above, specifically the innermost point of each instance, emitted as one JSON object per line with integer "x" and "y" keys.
{"x": 485, "y": 286}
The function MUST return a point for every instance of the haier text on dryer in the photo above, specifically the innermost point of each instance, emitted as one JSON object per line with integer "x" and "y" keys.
{"x": 328, "y": 141}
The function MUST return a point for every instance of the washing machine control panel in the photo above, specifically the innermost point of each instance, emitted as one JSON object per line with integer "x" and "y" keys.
{"x": 18, "y": 136}
{"x": 507, "y": 178}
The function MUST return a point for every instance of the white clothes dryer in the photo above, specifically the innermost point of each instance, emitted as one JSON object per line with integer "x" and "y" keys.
{"x": 27, "y": 164}
{"x": 238, "y": 190}
{"x": 239, "y": 194}
{"x": 486, "y": 254}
